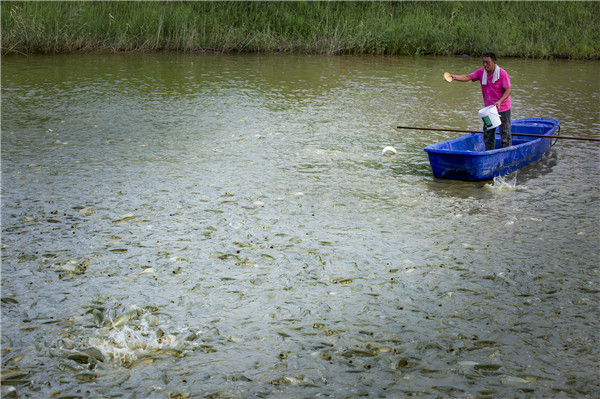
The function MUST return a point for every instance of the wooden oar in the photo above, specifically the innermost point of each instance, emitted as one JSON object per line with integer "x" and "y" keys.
{"x": 513, "y": 134}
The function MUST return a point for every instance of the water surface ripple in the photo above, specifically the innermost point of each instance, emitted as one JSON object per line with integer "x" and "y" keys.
{"x": 227, "y": 226}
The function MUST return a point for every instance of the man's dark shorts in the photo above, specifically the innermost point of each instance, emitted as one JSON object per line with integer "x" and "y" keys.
{"x": 489, "y": 137}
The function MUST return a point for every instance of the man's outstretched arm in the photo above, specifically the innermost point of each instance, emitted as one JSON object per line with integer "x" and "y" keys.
{"x": 461, "y": 78}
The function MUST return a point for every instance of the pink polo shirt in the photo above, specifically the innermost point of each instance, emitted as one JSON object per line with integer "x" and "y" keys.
{"x": 493, "y": 91}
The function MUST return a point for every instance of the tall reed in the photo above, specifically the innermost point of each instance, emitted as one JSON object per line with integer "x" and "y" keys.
{"x": 521, "y": 29}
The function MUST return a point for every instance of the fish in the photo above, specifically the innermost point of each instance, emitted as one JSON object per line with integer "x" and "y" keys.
{"x": 342, "y": 281}
{"x": 124, "y": 318}
{"x": 287, "y": 381}
{"x": 15, "y": 359}
{"x": 71, "y": 266}
{"x": 168, "y": 352}
{"x": 324, "y": 355}
{"x": 95, "y": 353}
{"x": 85, "y": 376}
{"x": 240, "y": 377}
{"x": 15, "y": 374}
{"x": 511, "y": 380}
{"x": 98, "y": 316}
{"x": 382, "y": 349}
{"x": 487, "y": 367}
{"x": 186, "y": 395}
{"x": 127, "y": 216}
{"x": 148, "y": 270}
{"x": 146, "y": 360}
{"x": 357, "y": 352}
{"x": 485, "y": 343}
{"x": 190, "y": 337}
{"x": 467, "y": 363}
{"x": 81, "y": 358}
{"x": 245, "y": 263}
{"x": 68, "y": 368}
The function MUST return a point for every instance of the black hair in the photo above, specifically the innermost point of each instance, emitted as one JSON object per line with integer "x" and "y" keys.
{"x": 490, "y": 55}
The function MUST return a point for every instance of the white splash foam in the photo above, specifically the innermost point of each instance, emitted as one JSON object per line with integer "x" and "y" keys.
{"x": 389, "y": 150}
{"x": 137, "y": 339}
{"x": 503, "y": 183}
{"x": 127, "y": 344}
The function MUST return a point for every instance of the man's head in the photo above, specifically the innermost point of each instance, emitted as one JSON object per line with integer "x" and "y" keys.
{"x": 489, "y": 62}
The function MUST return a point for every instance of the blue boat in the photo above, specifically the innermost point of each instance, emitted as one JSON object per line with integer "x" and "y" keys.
{"x": 464, "y": 158}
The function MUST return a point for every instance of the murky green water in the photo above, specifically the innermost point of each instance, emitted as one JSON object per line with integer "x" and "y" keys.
{"x": 192, "y": 225}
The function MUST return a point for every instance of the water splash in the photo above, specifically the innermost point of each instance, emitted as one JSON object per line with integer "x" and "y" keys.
{"x": 139, "y": 338}
{"x": 126, "y": 345}
{"x": 503, "y": 183}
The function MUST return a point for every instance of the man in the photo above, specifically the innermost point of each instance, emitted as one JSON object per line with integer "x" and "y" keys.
{"x": 495, "y": 87}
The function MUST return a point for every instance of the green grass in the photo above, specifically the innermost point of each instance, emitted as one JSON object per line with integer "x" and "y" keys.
{"x": 513, "y": 28}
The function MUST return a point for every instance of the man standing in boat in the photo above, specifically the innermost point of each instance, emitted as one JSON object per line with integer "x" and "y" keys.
{"x": 495, "y": 87}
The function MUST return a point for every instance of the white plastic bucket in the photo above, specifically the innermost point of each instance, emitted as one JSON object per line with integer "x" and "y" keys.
{"x": 490, "y": 116}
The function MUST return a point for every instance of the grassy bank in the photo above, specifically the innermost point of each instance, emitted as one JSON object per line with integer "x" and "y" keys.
{"x": 519, "y": 29}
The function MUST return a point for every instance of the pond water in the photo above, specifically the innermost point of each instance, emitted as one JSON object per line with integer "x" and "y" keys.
{"x": 227, "y": 226}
